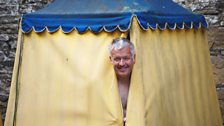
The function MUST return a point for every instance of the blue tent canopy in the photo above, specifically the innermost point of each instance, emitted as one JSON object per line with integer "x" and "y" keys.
{"x": 109, "y": 15}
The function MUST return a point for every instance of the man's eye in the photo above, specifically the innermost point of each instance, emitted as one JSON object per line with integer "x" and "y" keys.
{"x": 117, "y": 59}
{"x": 126, "y": 58}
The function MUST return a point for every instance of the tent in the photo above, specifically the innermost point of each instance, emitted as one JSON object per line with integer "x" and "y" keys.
{"x": 63, "y": 77}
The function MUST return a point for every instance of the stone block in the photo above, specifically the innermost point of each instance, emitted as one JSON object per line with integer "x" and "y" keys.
{"x": 218, "y": 68}
{"x": 222, "y": 52}
{"x": 9, "y": 9}
{"x": 9, "y": 29}
{"x": 9, "y": 1}
{"x": 220, "y": 93}
{"x": 4, "y": 37}
{"x": 9, "y": 19}
{"x": 212, "y": 19}
{"x": 2, "y": 56}
{"x": 215, "y": 37}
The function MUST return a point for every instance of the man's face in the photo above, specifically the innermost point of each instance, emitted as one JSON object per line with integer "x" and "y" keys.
{"x": 123, "y": 62}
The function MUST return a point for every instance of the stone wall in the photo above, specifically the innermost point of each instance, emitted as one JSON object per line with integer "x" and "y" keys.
{"x": 11, "y": 10}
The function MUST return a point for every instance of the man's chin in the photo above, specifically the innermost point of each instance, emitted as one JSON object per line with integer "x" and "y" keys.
{"x": 123, "y": 74}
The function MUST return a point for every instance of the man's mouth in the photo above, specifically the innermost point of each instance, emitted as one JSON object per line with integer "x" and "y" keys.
{"x": 122, "y": 69}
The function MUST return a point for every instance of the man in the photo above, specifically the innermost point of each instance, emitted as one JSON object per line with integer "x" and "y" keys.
{"x": 122, "y": 57}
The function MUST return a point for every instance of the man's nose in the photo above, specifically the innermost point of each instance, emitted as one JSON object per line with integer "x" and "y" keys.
{"x": 121, "y": 63}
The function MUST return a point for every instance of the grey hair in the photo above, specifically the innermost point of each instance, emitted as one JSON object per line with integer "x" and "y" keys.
{"x": 120, "y": 43}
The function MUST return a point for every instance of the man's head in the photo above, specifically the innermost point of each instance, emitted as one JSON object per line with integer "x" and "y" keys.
{"x": 122, "y": 56}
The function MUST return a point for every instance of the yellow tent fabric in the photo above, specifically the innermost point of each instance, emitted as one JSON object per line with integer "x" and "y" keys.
{"x": 0, "y": 119}
{"x": 67, "y": 79}
{"x": 176, "y": 78}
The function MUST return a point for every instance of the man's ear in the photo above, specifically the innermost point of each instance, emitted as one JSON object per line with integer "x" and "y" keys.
{"x": 110, "y": 59}
{"x": 134, "y": 58}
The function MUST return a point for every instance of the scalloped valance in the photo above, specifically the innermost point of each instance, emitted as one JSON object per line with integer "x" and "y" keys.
{"x": 107, "y": 15}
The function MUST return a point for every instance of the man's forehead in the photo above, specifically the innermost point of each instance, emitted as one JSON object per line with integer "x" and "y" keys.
{"x": 126, "y": 50}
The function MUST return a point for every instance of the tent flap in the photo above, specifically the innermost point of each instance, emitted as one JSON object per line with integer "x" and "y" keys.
{"x": 110, "y": 15}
